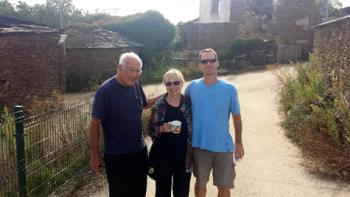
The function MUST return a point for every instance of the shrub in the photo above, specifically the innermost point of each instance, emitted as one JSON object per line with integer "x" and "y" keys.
{"x": 298, "y": 94}
{"x": 305, "y": 98}
{"x": 318, "y": 117}
{"x": 82, "y": 83}
{"x": 239, "y": 46}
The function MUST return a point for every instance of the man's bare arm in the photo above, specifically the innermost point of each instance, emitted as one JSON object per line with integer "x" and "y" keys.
{"x": 95, "y": 157}
{"x": 237, "y": 123}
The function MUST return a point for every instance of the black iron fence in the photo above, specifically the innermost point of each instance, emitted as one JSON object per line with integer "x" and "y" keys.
{"x": 42, "y": 151}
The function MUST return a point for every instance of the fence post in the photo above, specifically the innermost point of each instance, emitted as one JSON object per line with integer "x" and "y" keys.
{"x": 21, "y": 167}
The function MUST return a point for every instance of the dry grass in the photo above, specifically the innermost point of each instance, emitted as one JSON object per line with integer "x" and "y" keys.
{"x": 323, "y": 157}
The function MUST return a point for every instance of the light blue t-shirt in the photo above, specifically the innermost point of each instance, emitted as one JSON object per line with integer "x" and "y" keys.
{"x": 211, "y": 109}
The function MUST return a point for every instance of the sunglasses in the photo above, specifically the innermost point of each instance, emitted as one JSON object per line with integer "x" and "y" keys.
{"x": 175, "y": 83}
{"x": 205, "y": 62}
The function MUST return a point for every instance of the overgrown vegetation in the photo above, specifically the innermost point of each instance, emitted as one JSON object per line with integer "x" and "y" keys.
{"x": 79, "y": 83}
{"x": 240, "y": 46}
{"x": 318, "y": 118}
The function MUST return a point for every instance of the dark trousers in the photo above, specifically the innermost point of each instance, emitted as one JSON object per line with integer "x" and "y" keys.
{"x": 180, "y": 180}
{"x": 127, "y": 174}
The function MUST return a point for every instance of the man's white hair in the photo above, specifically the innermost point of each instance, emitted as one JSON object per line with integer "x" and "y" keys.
{"x": 129, "y": 55}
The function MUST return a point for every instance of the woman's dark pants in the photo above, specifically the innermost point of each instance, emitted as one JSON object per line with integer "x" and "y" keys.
{"x": 180, "y": 180}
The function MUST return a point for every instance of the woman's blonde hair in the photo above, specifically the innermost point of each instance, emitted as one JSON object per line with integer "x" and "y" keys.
{"x": 173, "y": 72}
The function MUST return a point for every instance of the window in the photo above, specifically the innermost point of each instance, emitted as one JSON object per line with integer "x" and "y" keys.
{"x": 215, "y": 6}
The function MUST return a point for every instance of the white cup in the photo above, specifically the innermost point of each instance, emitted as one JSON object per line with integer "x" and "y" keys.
{"x": 175, "y": 126}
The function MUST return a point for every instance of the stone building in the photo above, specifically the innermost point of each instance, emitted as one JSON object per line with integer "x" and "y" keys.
{"x": 215, "y": 11}
{"x": 292, "y": 24}
{"x": 332, "y": 49}
{"x": 223, "y": 20}
{"x": 30, "y": 71}
{"x": 92, "y": 54}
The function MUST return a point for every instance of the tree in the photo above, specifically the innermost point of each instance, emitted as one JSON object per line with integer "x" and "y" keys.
{"x": 47, "y": 14}
{"x": 25, "y": 11}
{"x": 6, "y": 8}
{"x": 150, "y": 29}
{"x": 333, "y": 7}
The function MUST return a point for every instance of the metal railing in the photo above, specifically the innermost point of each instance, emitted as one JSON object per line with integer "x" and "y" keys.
{"x": 286, "y": 53}
{"x": 42, "y": 151}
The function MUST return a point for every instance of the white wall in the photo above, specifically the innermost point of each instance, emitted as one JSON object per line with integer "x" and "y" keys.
{"x": 205, "y": 15}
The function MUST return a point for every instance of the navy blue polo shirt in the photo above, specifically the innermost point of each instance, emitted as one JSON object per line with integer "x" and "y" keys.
{"x": 120, "y": 109}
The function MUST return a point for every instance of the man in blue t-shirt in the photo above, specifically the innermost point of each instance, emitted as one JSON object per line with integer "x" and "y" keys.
{"x": 213, "y": 101}
{"x": 118, "y": 107}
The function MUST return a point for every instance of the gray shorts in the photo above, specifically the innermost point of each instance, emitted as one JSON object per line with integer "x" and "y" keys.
{"x": 222, "y": 164}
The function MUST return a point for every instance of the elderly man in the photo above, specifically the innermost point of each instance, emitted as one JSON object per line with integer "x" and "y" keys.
{"x": 213, "y": 100}
{"x": 118, "y": 107}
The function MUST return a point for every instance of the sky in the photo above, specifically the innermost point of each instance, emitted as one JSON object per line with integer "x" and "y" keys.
{"x": 174, "y": 10}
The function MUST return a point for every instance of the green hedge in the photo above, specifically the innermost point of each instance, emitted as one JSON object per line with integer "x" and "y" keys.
{"x": 240, "y": 46}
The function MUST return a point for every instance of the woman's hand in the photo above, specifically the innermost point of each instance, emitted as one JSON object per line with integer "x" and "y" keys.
{"x": 165, "y": 128}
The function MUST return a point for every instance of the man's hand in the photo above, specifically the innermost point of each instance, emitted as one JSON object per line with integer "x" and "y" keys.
{"x": 151, "y": 101}
{"x": 96, "y": 162}
{"x": 239, "y": 150}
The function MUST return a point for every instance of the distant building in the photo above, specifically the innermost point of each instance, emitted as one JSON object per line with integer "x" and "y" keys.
{"x": 92, "y": 54}
{"x": 215, "y": 11}
{"x": 223, "y": 20}
{"x": 30, "y": 71}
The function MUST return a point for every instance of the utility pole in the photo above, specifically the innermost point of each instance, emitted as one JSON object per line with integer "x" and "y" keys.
{"x": 325, "y": 10}
{"x": 61, "y": 14}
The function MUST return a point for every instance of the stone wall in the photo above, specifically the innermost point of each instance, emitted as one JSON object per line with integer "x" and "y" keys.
{"x": 29, "y": 71}
{"x": 292, "y": 22}
{"x": 87, "y": 67}
{"x": 332, "y": 49}
{"x": 213, "y": 35}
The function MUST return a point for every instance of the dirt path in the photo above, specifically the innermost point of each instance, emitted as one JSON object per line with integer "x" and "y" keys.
{"x": 272, "y": 164}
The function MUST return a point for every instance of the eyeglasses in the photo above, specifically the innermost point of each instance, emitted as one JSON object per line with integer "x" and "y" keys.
{"x": 175, "y": 83}
{"x": 133, "y": 70}
{"x": 205, "y": 62}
